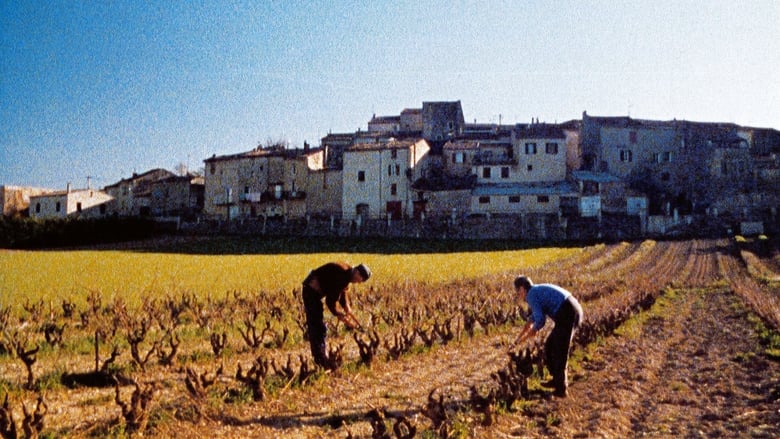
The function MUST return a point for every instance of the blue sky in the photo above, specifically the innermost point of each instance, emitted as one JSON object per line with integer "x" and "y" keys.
{"x": 103, "y": 89}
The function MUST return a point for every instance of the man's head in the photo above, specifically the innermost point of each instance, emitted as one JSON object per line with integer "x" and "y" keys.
{"x": 361, "y": 273}
{"x": 522, "y": 285}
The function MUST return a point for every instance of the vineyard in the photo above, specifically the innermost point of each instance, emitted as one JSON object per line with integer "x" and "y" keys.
{"x": 680, "y": 339}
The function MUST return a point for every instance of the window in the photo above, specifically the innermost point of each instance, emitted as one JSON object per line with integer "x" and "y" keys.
{"x": 78, "y": 207}
{"x": 484, "y": 200}
{"x": 514, "y": 198}
{"x": 457, "y": 157}
{"x": 632, "y": 136}
{"x": 486, "y": 172}
{"x": 663, "y": 157}
{"x": 389, "y": 169}
{"x": 393, "y": 189}
{"x": 626, "y": 155}
{"x": 246, "y": 189}
{"x": 212, "y": 169}
{"x": 530, "y": 168}
{"x": 394, "y": 153}
{"x": 505, "y": 172}
{"x": 37, "y": 207}
{"x": 543, "y": 199}
{"x": 551, "y": 148}
{"x": 530, "y": 148}
{"x": 397, "y": 169}
{"x": 57, "y": 206}
{"x": 361, "y": 175}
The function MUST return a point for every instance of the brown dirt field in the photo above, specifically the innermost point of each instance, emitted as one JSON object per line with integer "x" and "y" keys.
{"x": 689, "y": 371}
{"x": 690, "y": 366}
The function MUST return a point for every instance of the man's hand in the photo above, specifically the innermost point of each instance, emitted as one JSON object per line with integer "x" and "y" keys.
{"x": 351, "y": 322}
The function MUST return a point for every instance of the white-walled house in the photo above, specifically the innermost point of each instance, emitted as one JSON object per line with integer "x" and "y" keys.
{"x": 377, "y": 178}
{"x": 79, "y": 203}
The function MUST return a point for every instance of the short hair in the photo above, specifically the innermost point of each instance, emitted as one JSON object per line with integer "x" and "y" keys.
{"x": 364, "y": 271}
{"x": 523, "y": 281}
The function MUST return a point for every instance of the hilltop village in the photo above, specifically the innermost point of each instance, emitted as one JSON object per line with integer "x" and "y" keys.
{"x": 426, "y": 172}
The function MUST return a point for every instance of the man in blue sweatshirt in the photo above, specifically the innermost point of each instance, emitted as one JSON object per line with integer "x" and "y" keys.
{"x": 548, "y": 300}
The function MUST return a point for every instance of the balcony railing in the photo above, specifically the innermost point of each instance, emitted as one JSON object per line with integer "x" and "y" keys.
{"x": 493, "y": 159}
{"x": 270, "y": 196}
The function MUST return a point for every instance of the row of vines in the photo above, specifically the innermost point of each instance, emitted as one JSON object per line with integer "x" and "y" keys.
{"x": 182, "y": 358}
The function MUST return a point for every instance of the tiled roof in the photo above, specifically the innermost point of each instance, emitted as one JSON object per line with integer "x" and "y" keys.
{"x": 263, "y": 152}
{"x": 385, "y": 119}
{"x": 539, "y": 130}
{"x": 390, "y": 144}
{"x": 461, "y": 144}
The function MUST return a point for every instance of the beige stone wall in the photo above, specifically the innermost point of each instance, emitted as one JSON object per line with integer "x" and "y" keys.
{"x": 170, "y": 196}
{"x": 388, "y": 172}
{"x": 458, "y": 158}
{"x": 649, "y": 142}
{"x": 240, "y": 186}
{"x": 362, "y": 174}
{"x": 573, "y": 149}
{"x": 500, "y": 204}
{"x": 227, "y": 181}
{"x": 15, "y": 199}
{"x": 122, "y": 195}
{"x": 442, "y": 203}
{"x": 323, "y": 192}
{"x": 541, "y": 166}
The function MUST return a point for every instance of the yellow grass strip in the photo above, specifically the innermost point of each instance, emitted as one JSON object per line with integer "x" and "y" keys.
{"x": 55, "y": 275}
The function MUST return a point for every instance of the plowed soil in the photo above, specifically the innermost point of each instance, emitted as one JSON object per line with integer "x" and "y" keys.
{"x": 692, "y": 365}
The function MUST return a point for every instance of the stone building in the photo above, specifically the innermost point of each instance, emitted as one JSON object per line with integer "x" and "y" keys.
{"x": 377, "y": 178}
{"x": 70, "y": 203}
{"x": 177, "y": 195}
{"x": 264, "y": 182}
{"x": 15, "y": 200}
{"x": 133, "y": 196}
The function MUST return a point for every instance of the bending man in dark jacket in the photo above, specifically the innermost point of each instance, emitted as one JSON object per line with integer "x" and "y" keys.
{"x": 330, "y": 281}
{"x": 548, "y": 300}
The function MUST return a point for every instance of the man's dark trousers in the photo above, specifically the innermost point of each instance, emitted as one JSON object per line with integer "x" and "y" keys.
{"x": 315, "y": 323}
{"x": 556, "y": 348}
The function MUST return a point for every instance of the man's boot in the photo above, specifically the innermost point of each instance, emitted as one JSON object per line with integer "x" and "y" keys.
{"x": 320, "y": 355}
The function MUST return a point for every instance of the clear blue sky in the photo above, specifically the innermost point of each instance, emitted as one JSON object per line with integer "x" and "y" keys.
{"x": 105, "y": 88}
